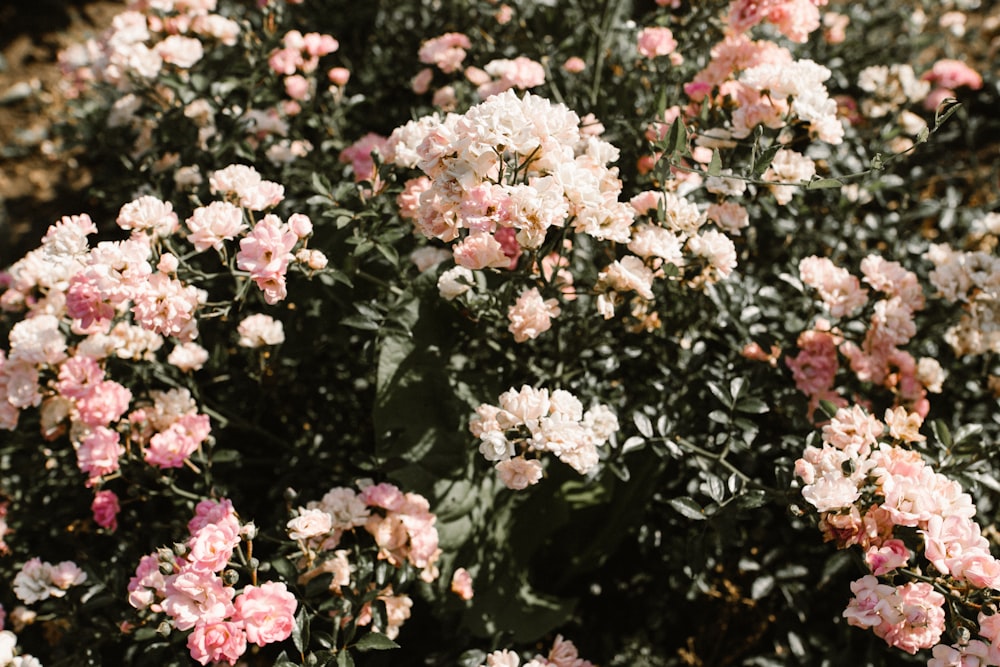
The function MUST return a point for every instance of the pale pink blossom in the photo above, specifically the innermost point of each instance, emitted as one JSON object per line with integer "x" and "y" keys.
{"x": 359, "y": 155}
{"x": 214, "y": 224}
{"x": 461, "y": 584}
{"x": 266, "y": 252}
{"x": 181, "y": 51}
{"x": 166, "y": 306}
{"x": 656, "y": 41}
{"x": 267, "y": 611}
{"x": 531, "y": 315}
{"x": 150, "y": 214}
{"x": 188, "y": 357}
{"x": 519, "y": 473}
{"x": 479, "y": 251}
{"x": 891, "y": 555}
{"x": 216, "y": 642}
{"x": 170, "y": 448}
{"x": 446, "y": 52}
{"x": 841, "y": 292}
{"x": 259, "y": 329}
{"x": 194, "y": 598}
{"x": 99, "y": 452}
{"x": 574, "y": 65}
{"x": 950, "y": 73}
{"x": 309, "y": 523}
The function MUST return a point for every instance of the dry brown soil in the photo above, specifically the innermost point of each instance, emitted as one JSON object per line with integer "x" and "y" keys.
{"x": 39, "y": 183}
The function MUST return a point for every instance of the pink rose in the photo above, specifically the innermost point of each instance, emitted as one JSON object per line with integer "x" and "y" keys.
{"x": 217, "y": 642}
{"x": 267, "y": 612}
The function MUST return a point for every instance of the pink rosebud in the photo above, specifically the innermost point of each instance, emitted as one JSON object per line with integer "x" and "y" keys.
{"x": 339, "y": 76}
{"x": 105, "y": 509}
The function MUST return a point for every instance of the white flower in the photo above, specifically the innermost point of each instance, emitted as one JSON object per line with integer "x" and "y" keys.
{"x": 495, "y": 446}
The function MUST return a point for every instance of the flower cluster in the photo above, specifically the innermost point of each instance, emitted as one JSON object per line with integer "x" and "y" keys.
{"x": 879, "y": 359}
{"x": 875, "y": 492}
{"x": 971, "y": 278}
{"x": 192, "y": 586}
{"x": 39, "y": 580}
{"x": 402, "y": 527}
{"x": 9, "y": 655}
{"x": 562, "y": 654}
{"x": 529, "y": 421}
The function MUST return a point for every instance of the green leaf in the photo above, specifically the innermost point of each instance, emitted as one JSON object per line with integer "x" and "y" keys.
{"x": 375, "y": 641}
{"x": 942, "y": 433}
{"x": 753, "y": 406}
{"x": 688, "y": 507}
{"x": 751, "y": 499}
{"x": 945, "y": 110}
{"x": 826, "y": 183}
{"x": 344, "y": 659}
{"x": 677, "y": 138}
{"x": 715, "y": 165}
{"x": 724, "y": 397}
{"x": 300, "y": 632}
{"x": 643, "y": 423}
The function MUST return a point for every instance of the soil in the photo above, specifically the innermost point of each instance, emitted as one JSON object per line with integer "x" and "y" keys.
{"x": 39, "y": 182}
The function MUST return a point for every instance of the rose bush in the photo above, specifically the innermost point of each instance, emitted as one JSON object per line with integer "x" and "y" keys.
{"x": 711, "y": 286}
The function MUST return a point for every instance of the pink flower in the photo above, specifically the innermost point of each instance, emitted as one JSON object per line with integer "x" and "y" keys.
{"x": 170, "y": 448}
{"x": 105, "y": 403}
{"x": 214, "y": 224}
{"x": 99, "y": 452}
{"x": 653, "y": 42}
{"x": 841, "y": 292}
{"x": 180, "y": 51}
{"x": 224, "y": 641}
{"x": 446, "y": 52}
{"x": 918, "y": 618}
{"x": 147, "y": 583}
{"x": 166, "y": 306}
{"x": 574, "y": 65}
{"x": 297, "y": 87}
{"x": 461, "y": 584}
{"x": 531, "y": 315}
{"x": 892, "y": 554}
{"x": 481, "y": 250}
{"x": 950, "y": 73}
{"x": 105, "y": 509}
{"x": 519, "y": 473}
{"x": 194, "y": 598}
{"x": 266, "y": 252}
{"x": 267, "y": 612}
{"x": 359, "y": 154}
{"x": 149, "y": 214}
{"x": 212, "y": 547}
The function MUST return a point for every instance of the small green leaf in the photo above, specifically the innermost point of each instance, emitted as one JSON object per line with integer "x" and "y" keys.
{"x": 344, "y": 659}
{"x": 643, "y": 423}
{"x": 721, "y": 394}
{"x": 715, "y": 165}
{"x": 825, "y": 183}
{"x": 300, "y": 632}
{"x": 688, "y": 507}
{"x": 945, "y": 110}
{"x": 753, "y": 406}
{"x": 375, "y": 641}
{"x": 942, "y": 433}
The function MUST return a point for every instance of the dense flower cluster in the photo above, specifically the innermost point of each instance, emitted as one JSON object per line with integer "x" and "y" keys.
{"x": 401, "y": 525}
{"x": 530, "y": 421}
{"x": 877, "y": 493}
{"x": 879, "y": 359}
{"x": 562, "y": 654}
{"x": 191, "y": 586}
{"x": 971, "y": 278}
